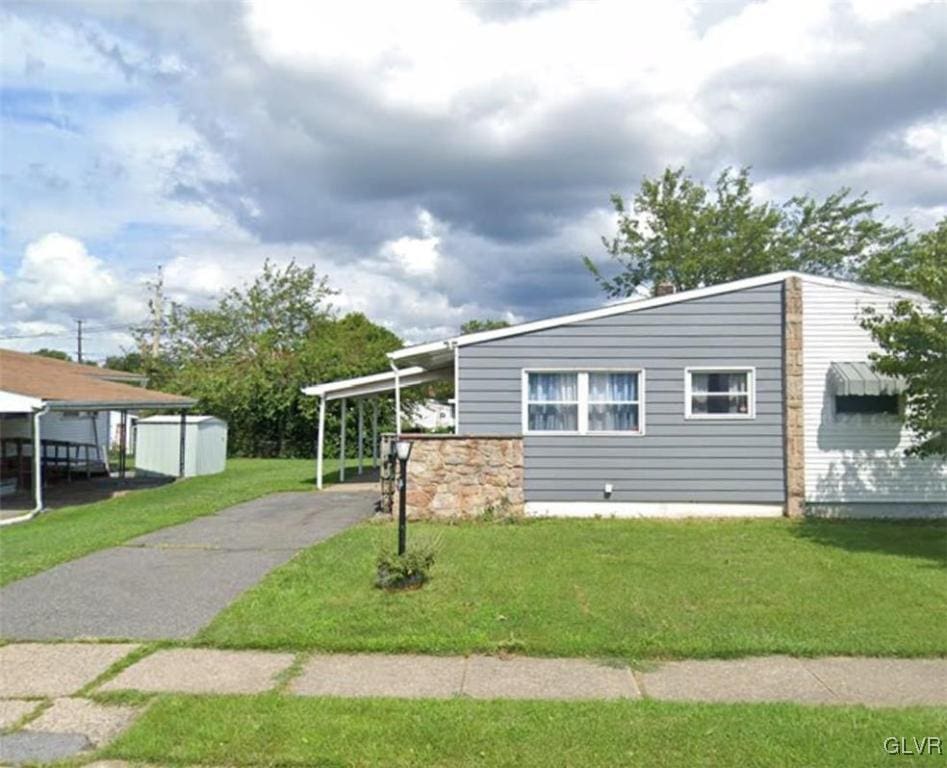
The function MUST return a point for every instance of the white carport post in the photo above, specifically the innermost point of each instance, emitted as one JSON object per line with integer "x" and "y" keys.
{"x": 342, "y": 445}
{"x": 375, "y": 433}
{"x": 320, "y": 443}
{"x": 397, "y": 397}
{"x": 361, "y": 432}
{"x": 37, "y": 462}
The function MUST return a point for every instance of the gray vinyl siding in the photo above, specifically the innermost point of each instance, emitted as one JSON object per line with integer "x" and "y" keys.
{"x": 676, "y": 460}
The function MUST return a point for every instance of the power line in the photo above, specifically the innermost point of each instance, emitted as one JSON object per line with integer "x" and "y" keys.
{"x": 66, "y": 334}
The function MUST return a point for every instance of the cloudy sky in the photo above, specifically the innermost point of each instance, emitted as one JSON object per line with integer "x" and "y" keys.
{"x": 439, "y": 161}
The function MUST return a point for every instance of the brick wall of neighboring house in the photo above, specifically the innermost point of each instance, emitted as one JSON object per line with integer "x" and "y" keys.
{"x": 464, "y": 475}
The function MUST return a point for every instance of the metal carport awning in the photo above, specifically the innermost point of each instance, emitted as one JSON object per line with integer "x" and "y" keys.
{"x": 359, "y": 388}
{"x": 859, "y": 379}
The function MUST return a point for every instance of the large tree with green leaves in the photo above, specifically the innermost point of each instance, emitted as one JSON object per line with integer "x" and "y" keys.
{"x": 247, "y": 358}
{"x": 680, "y": 231}
{"x": 913, "y": 333}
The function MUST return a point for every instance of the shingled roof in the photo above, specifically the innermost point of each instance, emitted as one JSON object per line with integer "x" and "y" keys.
{"x": 62, "y": 384}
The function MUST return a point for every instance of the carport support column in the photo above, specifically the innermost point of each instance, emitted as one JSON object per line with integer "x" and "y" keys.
{"x": 375, "y": 433}
{"x": 182, "y": 446}
{"x": 342, "y": 445}
{"x": 361, "y": 433}
{"x": 123, "y": 444}
{"x": 320, "y": 440}
{"x": 794, "y": 452}
{"x": 37, "y": 462}
{"x": 397, "y": 398}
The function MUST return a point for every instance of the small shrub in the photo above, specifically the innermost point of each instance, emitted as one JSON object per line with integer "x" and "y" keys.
{"x": 409, "y": 570}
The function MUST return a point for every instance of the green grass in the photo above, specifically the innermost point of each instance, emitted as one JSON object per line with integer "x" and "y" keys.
{"x": 610, "y": 588}
{"x": 273, "y": 730}
{"x": 71, "y": 532}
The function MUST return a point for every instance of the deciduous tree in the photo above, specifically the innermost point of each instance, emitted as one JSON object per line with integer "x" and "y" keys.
{"x": 913, "y": 333}
{"x": 679, "y": 231}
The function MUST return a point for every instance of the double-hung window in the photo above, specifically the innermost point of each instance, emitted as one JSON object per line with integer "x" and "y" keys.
{"x": 583, "y": 402}
{"x": 720, "y": 393}
{"x": 613, "y": 402}
{"x": 553, "y": 402}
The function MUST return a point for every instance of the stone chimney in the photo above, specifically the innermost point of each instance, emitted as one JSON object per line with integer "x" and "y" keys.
{"x": 664, "y": 288}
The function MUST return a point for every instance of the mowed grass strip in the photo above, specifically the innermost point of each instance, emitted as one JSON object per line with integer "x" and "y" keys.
{"x": 612, "y": 588}
{"x": 71, "y": 532}
{"x": 276, "y": 730}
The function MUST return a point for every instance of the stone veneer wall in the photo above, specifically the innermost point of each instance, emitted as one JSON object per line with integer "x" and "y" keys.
{"x": 794, "y": 450}
{"x": 462, "y": 475}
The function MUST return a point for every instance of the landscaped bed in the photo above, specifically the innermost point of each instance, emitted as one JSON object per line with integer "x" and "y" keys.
{"x": 71, "y": 532}
{"x": 612, "y": 588}
{"x": 275, "y": 730}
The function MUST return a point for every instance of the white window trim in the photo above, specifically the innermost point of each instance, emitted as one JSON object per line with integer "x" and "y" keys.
{"x": 750, "y": 388}
{"x": 583, "y": 392}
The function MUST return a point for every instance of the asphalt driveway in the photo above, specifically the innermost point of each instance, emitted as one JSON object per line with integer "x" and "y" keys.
{"x": 170, "y": 583}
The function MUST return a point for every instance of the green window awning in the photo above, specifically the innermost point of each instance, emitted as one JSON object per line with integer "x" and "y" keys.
{"x": 860, "y": 379}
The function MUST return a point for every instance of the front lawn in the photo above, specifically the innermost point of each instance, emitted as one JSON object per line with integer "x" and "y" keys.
{"x": 611, "y": 588}
{"x": 71, "y": 532}
{"x": 275, "y": 730}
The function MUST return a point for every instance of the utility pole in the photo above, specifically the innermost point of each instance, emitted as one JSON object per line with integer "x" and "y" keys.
{"x": 156, "y": 307}
{"x": 79, "y": 340}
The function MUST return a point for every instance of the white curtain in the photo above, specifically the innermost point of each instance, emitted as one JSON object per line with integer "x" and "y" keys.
{"x": 613, "y": 402}
{"x": 561, "y": 391}
{"x": 613, "y": 387}
{"x": 554, "y": 387}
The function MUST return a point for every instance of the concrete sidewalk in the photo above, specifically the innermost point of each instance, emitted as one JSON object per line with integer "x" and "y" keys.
{"x": 30, "y": 670}
{"x": 170, "y": 583}
{"x": 44, "y": 717}
{"x": 872, "y": 682}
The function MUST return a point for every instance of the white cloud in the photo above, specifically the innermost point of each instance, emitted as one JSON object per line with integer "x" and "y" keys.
{"x": 57, "y": 282}
{"x": 58, "y": 276}
{"x": 416, "y": 255}
{"x": 58, "y": 271}
{"x": 428, "y": 155}
{"x": 441, "y": 49}
{"x": 929, "y": 140}
{"x": 874, "y": 11}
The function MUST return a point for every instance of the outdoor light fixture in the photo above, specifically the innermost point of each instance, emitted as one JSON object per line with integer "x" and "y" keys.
{"x": 402, "y": 449}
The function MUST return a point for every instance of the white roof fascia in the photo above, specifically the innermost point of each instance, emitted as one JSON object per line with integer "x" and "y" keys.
{"x": 332, "y": 386}
{"x": 642, "y": 304}
{"x": 420, "y": 349}
{"x": 11, "y": 402}
{"x": 375, "y": 383}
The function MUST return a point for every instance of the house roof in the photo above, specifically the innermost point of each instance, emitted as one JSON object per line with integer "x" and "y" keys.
{"x": 63, "y": 385}
{"x": 438, "y": 351}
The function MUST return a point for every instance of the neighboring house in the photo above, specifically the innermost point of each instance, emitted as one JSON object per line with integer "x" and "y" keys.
{"x": 432, "y": 415}
{"x": 54, "y": 416}
{"x": 754, "y": 397}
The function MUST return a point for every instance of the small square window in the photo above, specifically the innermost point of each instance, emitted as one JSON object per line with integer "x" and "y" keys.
{"x": 719, "y": 394}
